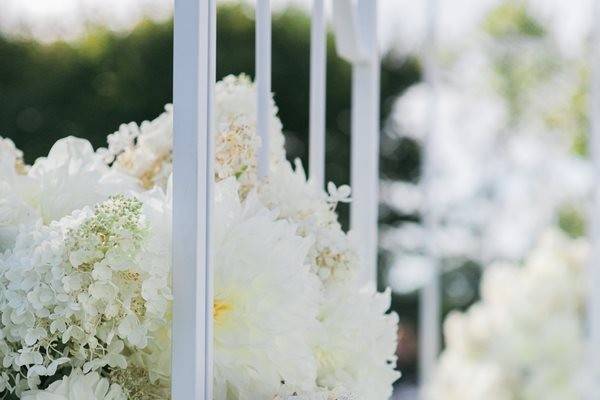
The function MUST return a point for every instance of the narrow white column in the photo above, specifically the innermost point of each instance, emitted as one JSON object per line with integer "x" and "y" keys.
{"x": 263, "y": 82}
{"x": 430, "y": 296}
{"x": 318, "y": 70}
{"x": 365, "y": 142}
{"x": 593, "y": 271}
{"x": 193, "y": 90}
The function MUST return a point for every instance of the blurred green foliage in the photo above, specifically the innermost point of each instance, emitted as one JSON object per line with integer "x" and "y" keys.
{"x": 512, "y": 19}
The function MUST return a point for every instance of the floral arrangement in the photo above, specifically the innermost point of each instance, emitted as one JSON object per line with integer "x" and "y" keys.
{"x": 85, "y": 261}
{"x": 525, "y": 338}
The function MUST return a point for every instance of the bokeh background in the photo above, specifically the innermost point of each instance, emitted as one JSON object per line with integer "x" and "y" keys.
{"x": 505, "y": 124}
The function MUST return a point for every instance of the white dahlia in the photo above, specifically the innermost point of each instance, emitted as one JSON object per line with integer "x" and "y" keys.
{"x": 321, "y": 394}
{"x": 78, "y": 386}
{"x": 332, "y": 256}
{"x": 265, "y": 301}
{"x": 356, "y": 349}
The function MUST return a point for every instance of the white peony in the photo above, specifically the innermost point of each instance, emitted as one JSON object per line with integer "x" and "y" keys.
{"x": 357, "y": 343}
{"x": 78, "y": 386}
{"x": 263, "y": 332}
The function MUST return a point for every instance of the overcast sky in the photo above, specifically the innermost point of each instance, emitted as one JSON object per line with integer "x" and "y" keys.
{"x": 401, "y": 21}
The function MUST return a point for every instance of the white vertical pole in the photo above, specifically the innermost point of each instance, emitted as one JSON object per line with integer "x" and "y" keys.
{"x": 593, "y": 302}
{"x": 263, "y": 82}
{"x": 430, "y": 299}
{"x": 193, "y": 87}
{"x": 365, "y": 143}
{"x": 318, "y": 66}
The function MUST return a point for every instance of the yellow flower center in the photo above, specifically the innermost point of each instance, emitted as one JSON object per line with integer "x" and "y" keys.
{"x": 220, "y": 308}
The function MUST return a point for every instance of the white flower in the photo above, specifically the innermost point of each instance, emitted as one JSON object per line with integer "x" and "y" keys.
{"x": 87, "y": 289}
{"x": 262, "y": 331}
{"x": 288, "y": 393}
{"x": 14, "y": 211}
{"x": 14, "y": 185}
{"x": 468, "y": 379}
{"x": 525, "y": 338}
{"x": 338, "y": 194}
{"x": 332, "y": 256}
{"x": 78, "y": 386}
{"x": 145, "y": 151}
{"x": 356, "y": 349}
{"x": 235, "y": 105}
{"x": 73, "y": 176}
{"x": 11, "y": 158}
{"x": 93, "y": 286}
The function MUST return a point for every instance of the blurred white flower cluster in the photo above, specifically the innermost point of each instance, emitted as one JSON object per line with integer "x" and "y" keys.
{"x": 502, "y": 128}
{"x": 85, "y": 261}
{"x": 525, "y": 338}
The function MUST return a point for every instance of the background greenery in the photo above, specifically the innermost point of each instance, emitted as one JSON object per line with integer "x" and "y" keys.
{"x": 87, "y": 88}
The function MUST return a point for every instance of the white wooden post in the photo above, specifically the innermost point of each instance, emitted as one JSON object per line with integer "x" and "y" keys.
{"x": 430, "y": 296}
{"x": 193, "y": 91}
{"x": 263, "y": 82}
{"x": 593, "y": 272}
{"x": 318, "y": 70}
{"x": 355, "y": 26}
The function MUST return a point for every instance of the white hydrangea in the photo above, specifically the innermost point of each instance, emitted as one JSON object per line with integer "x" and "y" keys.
{"x": 357, "y": 343}
{"x": 525, "y": 339}
{"x": 145, "y": 151}
{"x": 235, "y": 105}
{"x": 78, "y": 386}
{"x": 82, "y": 290}
{"x": 263, "y": 333}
